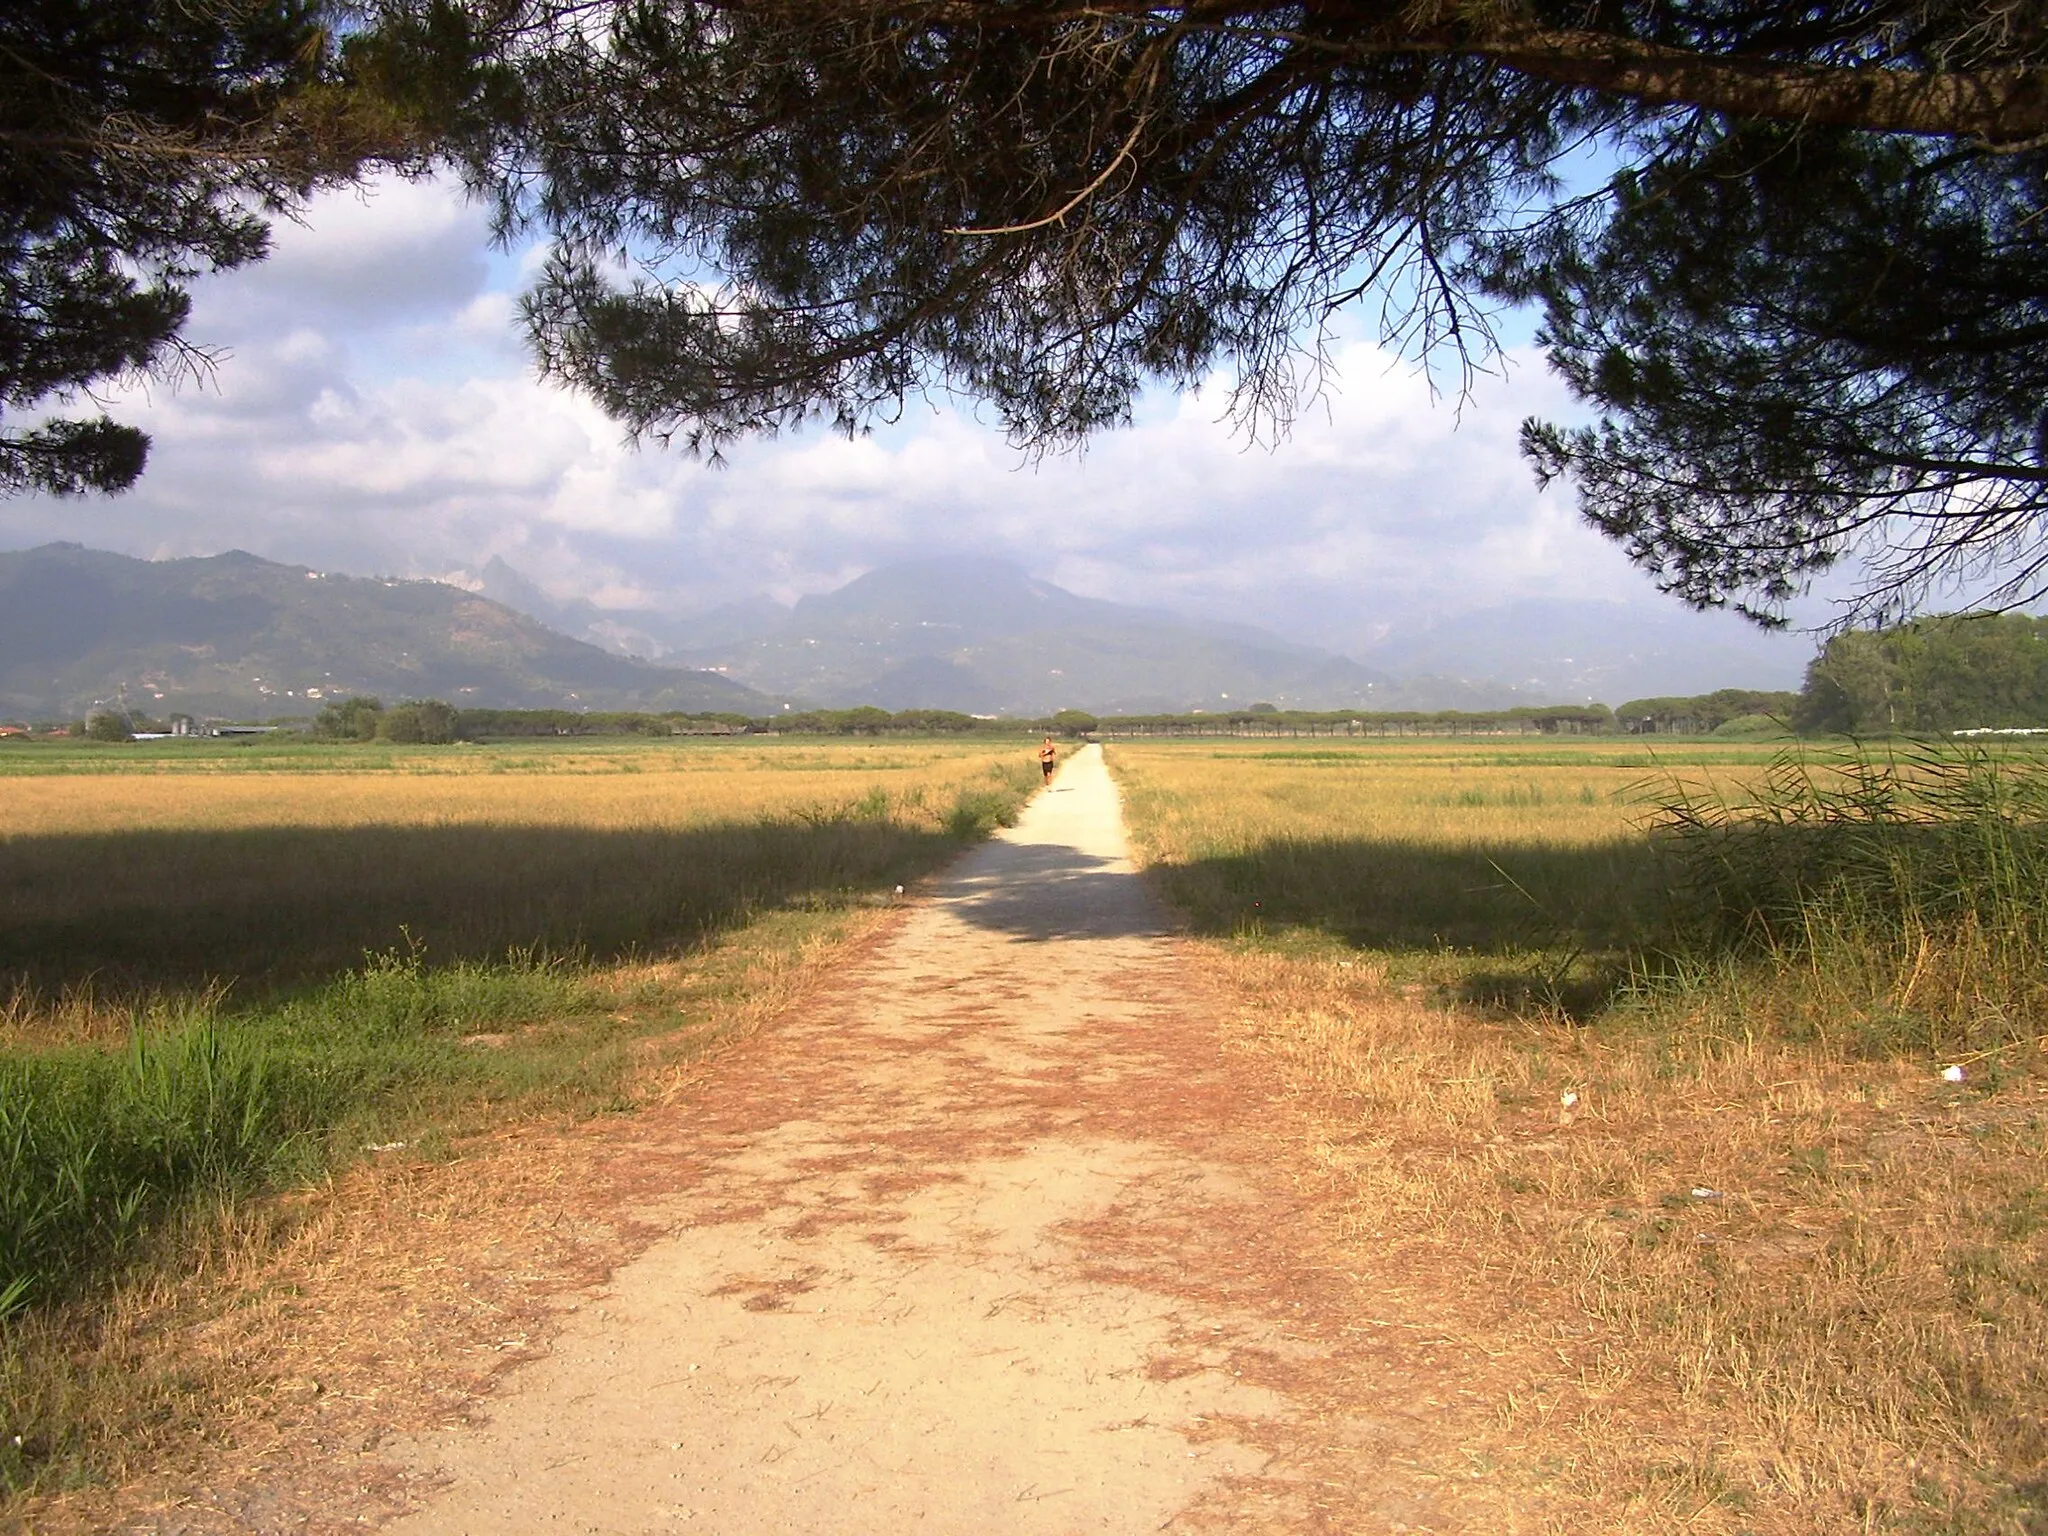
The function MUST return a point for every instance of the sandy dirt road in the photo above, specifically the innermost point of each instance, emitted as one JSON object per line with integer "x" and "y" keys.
{"x": 997, "y": 1238}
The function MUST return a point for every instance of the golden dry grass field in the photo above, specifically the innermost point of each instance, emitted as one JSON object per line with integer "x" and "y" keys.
{"x": 268, "y": 867}
{"x": 227, "y": 971}
{"x": 1699, "y": 1243}
{"x": 1496, "y": 868}
{"x": 628, "y": 785}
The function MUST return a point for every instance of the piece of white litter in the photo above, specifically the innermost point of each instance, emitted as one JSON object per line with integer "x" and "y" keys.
{"x": 899, "y": 890}
{"x": 1951, "y": 1074}
{"x": 382, "y": 1146}
{"x": 1568, "y": 1099}
{"x": 1701, "y": 1192}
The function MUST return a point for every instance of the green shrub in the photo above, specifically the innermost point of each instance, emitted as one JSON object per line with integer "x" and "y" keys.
{"x": 978, "y": 811}
{"x": 351, "y": 719}
{"x": 418, "y": 722}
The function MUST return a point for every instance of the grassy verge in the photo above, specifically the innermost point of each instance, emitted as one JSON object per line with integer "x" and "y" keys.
{"x": 1722, "y": 1247}
{"x": 527, "y": 982}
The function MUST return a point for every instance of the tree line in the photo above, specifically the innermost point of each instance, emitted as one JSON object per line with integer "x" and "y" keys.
{"x": 430, "y": 721}
{"x": 1523, "y": 720}
{"x": 1703, "y": 714}
{"x": 364, "y": 718}
{"x": 1969, "y": 672}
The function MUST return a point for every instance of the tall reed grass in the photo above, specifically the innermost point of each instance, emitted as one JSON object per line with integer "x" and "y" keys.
{"x": 1886, "y": 900}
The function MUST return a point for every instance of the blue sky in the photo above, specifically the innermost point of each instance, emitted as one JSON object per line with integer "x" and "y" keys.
{"x": 372, "y": 412}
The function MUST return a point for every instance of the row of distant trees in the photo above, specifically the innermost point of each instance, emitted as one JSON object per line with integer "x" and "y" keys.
{"x": 1730, "y": 710}
{"x": 1267, "y": 720}
{"x": 1929, "y": 676}
{"x": 1980, "y": 671}
{"x": 364, "y": 718}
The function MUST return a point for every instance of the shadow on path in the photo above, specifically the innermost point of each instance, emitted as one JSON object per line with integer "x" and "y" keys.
{"x": 1044, "y": 891}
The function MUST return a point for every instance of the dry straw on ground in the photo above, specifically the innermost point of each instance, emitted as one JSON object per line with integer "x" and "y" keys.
{"x": 1710, "y": 1277}
{"x": 1731, "y": 1287}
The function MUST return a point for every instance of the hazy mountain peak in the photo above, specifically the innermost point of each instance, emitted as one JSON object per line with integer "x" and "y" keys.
{"x": 926, "y": 582}
{"x": 235, "y": 634}
{"x": 984, "y": 635}
{"x": 1597, "y": 648}
{"x": 966, "y": 596}
{"x": 501, "y": 583}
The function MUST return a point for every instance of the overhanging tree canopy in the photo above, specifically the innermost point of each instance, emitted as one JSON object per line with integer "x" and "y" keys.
{"x": 1800, "y": 337}
{"x": 1810, "y": 306}
{"x": 143, "y": 142}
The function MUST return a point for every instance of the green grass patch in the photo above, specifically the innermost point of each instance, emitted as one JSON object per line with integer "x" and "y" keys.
{"x": 99, "y": 1147}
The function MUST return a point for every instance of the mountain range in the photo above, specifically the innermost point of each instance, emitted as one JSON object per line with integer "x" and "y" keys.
{"x": 983, "y": 634}
{"x": 986, "y": 637}
{"x": 237, "y": 636}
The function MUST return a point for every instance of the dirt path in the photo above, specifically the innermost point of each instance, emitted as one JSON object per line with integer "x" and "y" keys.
{"x": 994, "y": 1241}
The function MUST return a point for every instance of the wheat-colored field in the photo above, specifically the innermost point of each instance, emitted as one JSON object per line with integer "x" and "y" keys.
{"x": 1684, "y": 1255}
{"x": 1547, "y": 790}
{"x": 627, "y": 785}
{"x": 267, "y": 868}
{"x": 1527, "y": 856}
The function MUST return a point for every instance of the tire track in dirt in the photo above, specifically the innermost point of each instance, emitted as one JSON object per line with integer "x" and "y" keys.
{"x": 995, "y": 1239}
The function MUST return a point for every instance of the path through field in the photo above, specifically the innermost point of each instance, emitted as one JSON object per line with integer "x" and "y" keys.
{"x": 995, "y": 1240}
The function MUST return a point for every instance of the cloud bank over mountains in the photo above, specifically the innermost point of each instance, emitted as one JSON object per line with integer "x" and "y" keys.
{"x": 372, "y": 410}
